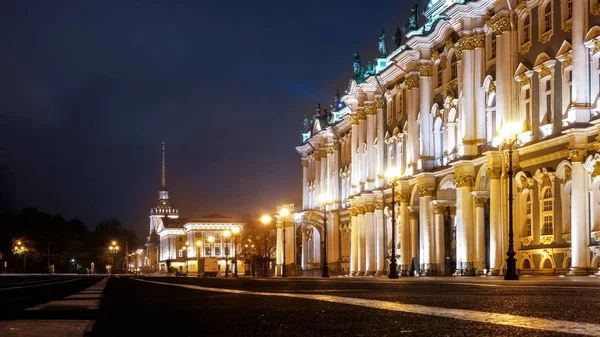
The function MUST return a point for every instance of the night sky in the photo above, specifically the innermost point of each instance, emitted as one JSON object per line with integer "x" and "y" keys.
{"x": 88, "y": 89}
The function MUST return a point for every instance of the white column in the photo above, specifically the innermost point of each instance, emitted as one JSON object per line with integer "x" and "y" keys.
{"x": 322, "y": 173}
{"x": 504, "y": 74}
{"x": 354, "y": 241}
{"x": 425, "y": 72}
{"x": 580, "y": 254}
{"x": 304, "y": 181}
{"x": 380, "y": 244}
{"x": 405, "y": 235}
{"x": 279, "y": 255}
{"x": 362, "y": 125}
{"x": 580, "y": 68}
{"x": 496, "y": 233}
{"x": 413, "y": 125}
{"x": 439, "y": 210}
{"x": 414, "y": 235}
{"x": 381, "y": 123}
{"x": 371, "y": 158}
{"x": 370, "y": 243}
{"x": 362, "y": 257}
{"x": 468, "y": 103}
{"x": 304, "y": 249}
{"x": 480, "y": 198}
{"x": 355, "y": 174}
{"x": 464, "y": 226}
{"x": 426, "y": 227}
{"x": 335, "y": 176}
{"x": 479, "y": 74}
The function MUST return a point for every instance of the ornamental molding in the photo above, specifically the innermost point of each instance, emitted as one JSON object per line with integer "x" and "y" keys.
{"x": 362, "y": 115}
{"x": 577, "y": 155}
{"x": 480, "y": 201}
{"x": 329, "y": 150}
{"x": 425, "y": 191}
{"x": 370, "y": 110}
{"x": 524, "y": 48}
{"x": 463, "y": 181}
{"x": 412, "y": 82}
{"x": 567, "y": 237}
{"x": 596, "y": 171}
{"x": 596, "y": 9}
{"x": 567, "y": 25}
{"x": 370, "y": 208}
{"x": 353, "y": 211}
{"x": 544, "y": 71}
{"x": 425, "y": 70}
{"x": 379, "y": 103}
{"x": 545, "y": 37}
{"x": 322, "y": 154}
{"x": 492, "y": 87}
{"x": 493, "y": 173}
{"x": 360, "y": 210}
{"x": 435, "y": 55}
{"x": 524, "y": 80}
{"x": 546, "y": 239}
{"x": 499, "y": 25}
{"x": 526, "y": 240}
{"x": 449, "y": 44}
{"x": 522, "y": 4}
{"x": 443, "y": 62}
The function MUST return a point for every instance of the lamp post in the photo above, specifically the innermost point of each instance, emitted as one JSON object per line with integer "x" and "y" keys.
{"x": 185, "y": 255}
{"x": 265, "y": 219}
{"x": 509, "y": 133}
{"x": 234, "y": 231}
{"x": 113, "y": 248}
{"x": 284, "y": 212}
{"x": 226, "y": 234}
{"x": 198, "y": 251}
{"x": 392, "y": 175}
{"x": 325, "y": 199}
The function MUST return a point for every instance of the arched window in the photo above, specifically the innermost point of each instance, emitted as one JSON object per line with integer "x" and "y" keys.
{"x": 527, "y": 29}
{"x": 547, "y": 212}
{"x": 454, "y": 66}
{"x": 548, "y": 17}
{"x": 528, "y": 214}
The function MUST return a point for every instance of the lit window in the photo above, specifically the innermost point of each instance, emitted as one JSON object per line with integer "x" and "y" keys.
{"x": 548, "y": 17}
{"x": 569, "y": 9}
{"x": 526, "y": 29}
{"x": 547, "y": 212}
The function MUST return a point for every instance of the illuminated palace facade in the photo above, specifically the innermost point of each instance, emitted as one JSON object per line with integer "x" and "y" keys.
{"x": 433, "y": 108}
{"x": 179, "y": 242}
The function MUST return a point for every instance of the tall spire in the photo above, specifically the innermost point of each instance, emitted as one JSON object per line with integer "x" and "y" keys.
{"x": 163, "y": 177}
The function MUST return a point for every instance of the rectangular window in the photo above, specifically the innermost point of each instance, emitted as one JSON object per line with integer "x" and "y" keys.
{"x": 206, "y": 251}
{"x": 547, "y": 229}
{"x": 569, "y": 9}
{"x": 493, "y": 45}
{"x": 548, "y": 17}
{"x": 217, "y": 251}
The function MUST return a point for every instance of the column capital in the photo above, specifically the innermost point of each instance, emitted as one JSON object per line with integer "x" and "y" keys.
{"x": 452, "y": 210}
{"x": 354, "y": 120}
{"x": 304, "y": 162}
{"x": 439, "y": 208}
{"x": 360, "y": 210}
{"x": 493, "y": 173}
{"x": 361, "y": 114}
{"x": 414, "y": 215}
{"x": 404, "y": 198}
{"x": 412, "y": 82}
{"x": 379, "y": 103}
{"x": 480, "y": 201}
{"x": 379, "y": 206}
{"x": 425, "y": 191}
{"x": 370, "y": 110}
{"x": 369, "y": 208}
{"x": 353, "y": 211}
{"x": 463, "y": 180}
{"x": 425, "y": 69}
{"x": 577, "y": 155}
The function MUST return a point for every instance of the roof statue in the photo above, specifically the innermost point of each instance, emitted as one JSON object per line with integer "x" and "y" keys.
{"x": 398, "y": 37}
{"x": 413, "y": 21}
{"x": 370, "y": 70}
{"x": 306, "y": 124}
{"x": 328, "y": 116}
{"x": 317, "y": 111}
{"x": 382, "y": 45}
{"x": 356, "y": 64}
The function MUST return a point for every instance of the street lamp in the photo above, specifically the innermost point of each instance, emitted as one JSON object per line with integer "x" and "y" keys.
{"x": 325, "y": 199}
{"x": 198, "y": 250}
{"x": 226, "y": 234}
{"x": 266, "y": 219}
{"x": 392, "y": 175}
{"x": 284, "y": 212}
{"x": 185, "y": 255}
{"x": 509, "y": 132}
{"x": 113, "y": 248}
{"x": 235, "y": 231}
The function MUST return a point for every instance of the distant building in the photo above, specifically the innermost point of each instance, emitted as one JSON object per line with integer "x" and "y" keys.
{"x": 179, "y": 242}
{"x": 434, "y": 108}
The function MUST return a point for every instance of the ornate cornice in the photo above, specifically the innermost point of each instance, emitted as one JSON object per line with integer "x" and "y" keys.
{"x": 463, "y": 180}
{"x": 425, "y": 70}
{"x": 577, "y": 155}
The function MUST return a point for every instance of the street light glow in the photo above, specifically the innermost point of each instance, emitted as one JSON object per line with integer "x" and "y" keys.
{"x": 510, "y": 130}
{"x": 265, "y": 219}
{"x": 325, "y": 198}
{"x": 226, "y": 234}
{"x": 235, "y": 230}
{"x": 284, "y": 211}
{"x": 198, "y": 243}
{"x": 211, "y": 239}
{"x": 392, "y": 173}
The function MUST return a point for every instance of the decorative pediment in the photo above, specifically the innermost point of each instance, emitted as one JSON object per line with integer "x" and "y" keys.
{"x": 396, "y": 131}
{"x": 544, "y": 177}
{"x": 543, "y": 57}
{"x": 564, "y": 48}
{"x": 593, "y": 33}
{"x": 523, "y": 181}
{"x": 521, "y": 69}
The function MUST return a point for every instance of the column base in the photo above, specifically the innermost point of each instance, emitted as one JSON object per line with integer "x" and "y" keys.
{"x": 493, "y": 272}
{"x": 352, "y": 273}
{"x": 360, "y": 273}
{"x": 580, "y": 271}
{"x": 370, "y": 273}
{"x": 379, "y": 273}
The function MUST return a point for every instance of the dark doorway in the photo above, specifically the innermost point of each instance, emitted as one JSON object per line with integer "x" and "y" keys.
{"x": 450, "y": 242}
{"x": 486, "y": 216}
